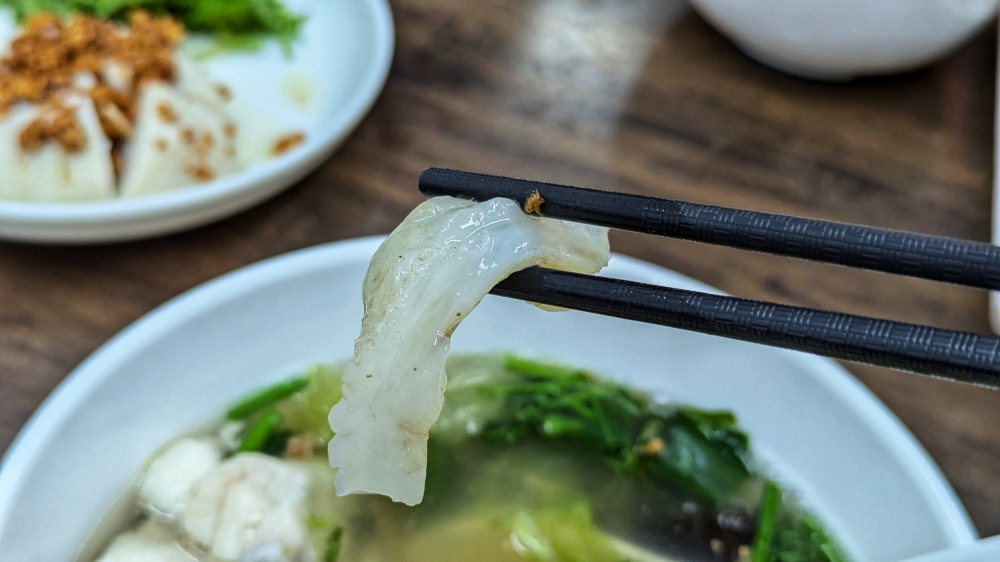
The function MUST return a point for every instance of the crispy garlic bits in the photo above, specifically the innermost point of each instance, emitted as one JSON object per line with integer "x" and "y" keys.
{"x": 109, "y": 63}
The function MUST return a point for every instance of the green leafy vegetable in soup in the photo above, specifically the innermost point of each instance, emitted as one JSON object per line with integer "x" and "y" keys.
{"x": 234, "y": 22}
{"x": 532, "y": 462}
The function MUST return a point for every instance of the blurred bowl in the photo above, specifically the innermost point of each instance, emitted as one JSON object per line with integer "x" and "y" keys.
{"x": 340, "y": 62}
{"x": 821, "y": 433}
{"x": 845, "y": 39}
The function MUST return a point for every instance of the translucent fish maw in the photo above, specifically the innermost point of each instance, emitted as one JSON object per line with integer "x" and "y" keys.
{"x": 423, "y": 281}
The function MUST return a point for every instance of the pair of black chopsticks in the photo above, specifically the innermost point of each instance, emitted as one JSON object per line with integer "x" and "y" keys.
{"x": 949, "y": 354}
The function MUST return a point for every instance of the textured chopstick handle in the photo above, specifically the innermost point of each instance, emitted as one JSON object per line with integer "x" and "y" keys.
{"x": 957, "y": 356}
{"x": 937, "y": 258}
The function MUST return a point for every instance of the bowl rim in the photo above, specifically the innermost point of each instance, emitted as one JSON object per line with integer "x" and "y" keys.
{"x": 79, "y": 385}
{"x": 198, "y": 196}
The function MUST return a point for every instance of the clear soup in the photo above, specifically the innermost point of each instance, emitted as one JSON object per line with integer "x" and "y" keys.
{"x": 528, "y": 461}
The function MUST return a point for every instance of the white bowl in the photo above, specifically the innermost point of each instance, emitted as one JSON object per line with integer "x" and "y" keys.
{"x": 339, "y": 65}
{"x": 844, "y": 39}
{"x": 823, "y": 433}
{"x": 984, "y": 550}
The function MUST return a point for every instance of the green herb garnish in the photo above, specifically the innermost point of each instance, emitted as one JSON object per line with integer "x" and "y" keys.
{"x": 267, "y": 397}
{"x": 256, "y": 437}
{"x": 227, "y": 20}
{"x": 688, "y": 454}
{"x": 802, "y": 538}
{"x": 765, "y": 522}
{"x": 319, "y": 522}
{"x": 699, "y": 455}
{"x": 333, "y": 543}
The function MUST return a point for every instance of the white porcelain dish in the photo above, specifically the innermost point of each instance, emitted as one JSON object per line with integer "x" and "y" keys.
{"x": 336, "y": 73}
{"x": 984, "y": 550}
{"x": 844, "y": 39}
{"x": 821, "y": 432}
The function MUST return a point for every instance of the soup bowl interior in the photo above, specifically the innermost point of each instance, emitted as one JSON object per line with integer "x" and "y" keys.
{"x": 817, "y": 429}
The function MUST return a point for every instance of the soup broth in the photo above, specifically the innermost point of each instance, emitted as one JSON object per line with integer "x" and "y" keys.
{"x": 528, "y": 461}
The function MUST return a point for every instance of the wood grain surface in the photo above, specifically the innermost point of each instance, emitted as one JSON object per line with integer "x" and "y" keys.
{"x": 633, "y": 95}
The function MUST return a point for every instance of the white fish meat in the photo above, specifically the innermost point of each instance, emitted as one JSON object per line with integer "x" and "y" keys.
{"x": 167, "y": 483}
{"x": 427, "y": 276}
{"x": 151, "y": 542}
{"x": 184, "y": 135}
{"x": 249, "y": 501}
{"x": 50, "y": 173}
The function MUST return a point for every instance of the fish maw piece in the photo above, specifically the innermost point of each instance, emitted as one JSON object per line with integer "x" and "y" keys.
{"x": 425, "y": 278}
{"x": 194, "y": 80}
{"x": 50, "y": 173}
{"x": 178, "y": 141}
{"x": 248, "y": 501}
{"x": 151, "y": 542}
{"x": 168, "y": 480}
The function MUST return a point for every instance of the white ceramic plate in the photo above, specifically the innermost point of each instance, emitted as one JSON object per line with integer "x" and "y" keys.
{"x": 824, "y": 434}
{"x": 338, "y": 68}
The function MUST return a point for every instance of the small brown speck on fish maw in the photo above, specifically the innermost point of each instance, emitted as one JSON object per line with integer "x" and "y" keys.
{"x": 534, "y": 203}
{"x": 166, "y": 113}
{"x": 368, "y": 376}
{"x": 288, "y": 142}
{"x": 451, "y": 329}
{"x": 201, "y": 173}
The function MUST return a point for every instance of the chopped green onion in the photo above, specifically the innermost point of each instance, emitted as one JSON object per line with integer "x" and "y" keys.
{"x": 267, "y": 397}
{"x": 333, "y": 543}
{"x": 765, "y": 522}
{"x": 258, "y": 433}
{"x": 540, "y": 368}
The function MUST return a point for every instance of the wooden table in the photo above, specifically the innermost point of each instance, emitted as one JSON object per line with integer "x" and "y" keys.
{"x": 634, "y": 95}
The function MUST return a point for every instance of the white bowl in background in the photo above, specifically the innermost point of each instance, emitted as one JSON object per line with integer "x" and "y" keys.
{"x": 983, "y": 550}
{"x": 822, "y": 433}
{"x": 339, "y": 64}
{"x": 844, "y": 39}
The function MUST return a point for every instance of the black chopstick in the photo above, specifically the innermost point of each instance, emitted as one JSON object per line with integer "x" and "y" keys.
{"x": 937, "y": 258}
{"x": 947, "y": 354}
